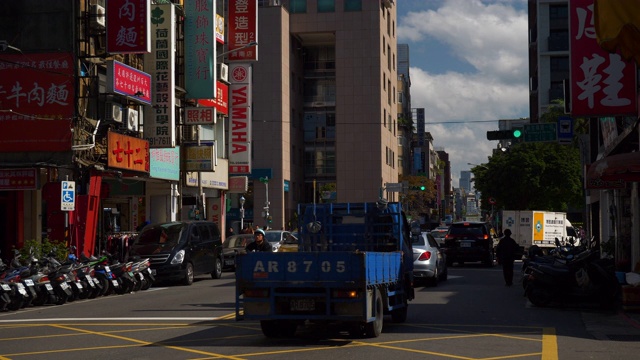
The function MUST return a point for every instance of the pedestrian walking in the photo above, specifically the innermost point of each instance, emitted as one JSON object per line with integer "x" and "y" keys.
{"x": 506, "y": 252}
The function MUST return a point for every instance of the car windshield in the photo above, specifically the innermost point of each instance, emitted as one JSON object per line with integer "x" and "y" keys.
{"x": 236, "y": 241}
{"x": 418, "y": 240}
{"x": 272, "y": 237}
{"x": 466, "y": 230}
{"x": 169, "y": 234}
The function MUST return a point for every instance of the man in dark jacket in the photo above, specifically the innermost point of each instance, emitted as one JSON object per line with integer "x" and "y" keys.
{"x": 260, "y": 244}
{"x": 506, "y": 251}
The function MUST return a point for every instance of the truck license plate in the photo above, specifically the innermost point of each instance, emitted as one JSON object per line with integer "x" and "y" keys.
{"x": 303, "y": 304}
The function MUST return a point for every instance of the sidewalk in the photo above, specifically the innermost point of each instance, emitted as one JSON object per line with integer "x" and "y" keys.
{"x": 620, "y": 326}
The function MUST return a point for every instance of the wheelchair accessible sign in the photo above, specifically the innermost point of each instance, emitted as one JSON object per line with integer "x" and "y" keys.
{"x": 68, "y": 196}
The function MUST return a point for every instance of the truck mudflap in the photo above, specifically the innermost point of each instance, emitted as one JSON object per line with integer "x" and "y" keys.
{"x": 329, "y": 286}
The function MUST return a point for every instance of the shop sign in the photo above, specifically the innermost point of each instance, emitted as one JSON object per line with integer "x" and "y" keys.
{"x": 200, "y": 157}
{"x": 244, "y": 17}
{"x": 238, "y": 184}
{"x": 127, "y": 81}
{"x": 160, "y": 123}
{"x": 165, "y": 163}
{"x": 37, "y": 92}
{"x": 129, "y": 153}
{"x": 602, "y": 83}
{"x": 18, "y": 179}
{"x": 199, "y": 116}
{"x": 128, "y": 26}
{"x": 221, "y": 102}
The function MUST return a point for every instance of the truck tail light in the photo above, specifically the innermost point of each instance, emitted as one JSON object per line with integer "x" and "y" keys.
{"x": 344, "y": 294}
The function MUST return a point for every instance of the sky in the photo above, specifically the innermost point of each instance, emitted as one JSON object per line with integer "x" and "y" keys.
{"x": 468, "y": 69}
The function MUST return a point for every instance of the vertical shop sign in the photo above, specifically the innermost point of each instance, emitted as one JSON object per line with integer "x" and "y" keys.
{"x": 200, "y": 49}
{"x": 160, "y": 121}
{"x": 240, "y": 120}
{"x": 601, "y": 83}
{"x": 128, "y": 26}
{"x": 243, "y": 30}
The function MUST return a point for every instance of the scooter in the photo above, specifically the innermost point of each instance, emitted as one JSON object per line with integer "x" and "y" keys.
{"x": 581, "y": 278}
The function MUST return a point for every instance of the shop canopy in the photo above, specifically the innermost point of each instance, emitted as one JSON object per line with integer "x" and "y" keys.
{"x": 612, "y": 171}
{"x": 617, "y": 25}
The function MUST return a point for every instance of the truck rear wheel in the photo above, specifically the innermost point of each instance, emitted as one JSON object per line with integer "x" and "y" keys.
{"x": 374, "y": 329}
{"x": 400, "y": 315}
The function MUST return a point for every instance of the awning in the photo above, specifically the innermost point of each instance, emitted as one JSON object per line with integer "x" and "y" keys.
{"x": 613, "y": 171}
{"x": 617, "y": 25}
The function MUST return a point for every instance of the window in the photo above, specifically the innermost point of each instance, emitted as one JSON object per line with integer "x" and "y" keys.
{"x": 352, "y": 5}
{"x": 298, "y": 6}
{"x": 326, "y": 6}
{"x": 559, "y": 63}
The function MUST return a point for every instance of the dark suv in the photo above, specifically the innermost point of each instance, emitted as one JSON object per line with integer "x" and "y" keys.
{"x": 469, "y": 241}
{"x": 181, "y": 250}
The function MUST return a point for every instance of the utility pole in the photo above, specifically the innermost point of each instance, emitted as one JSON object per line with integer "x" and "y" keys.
{"x": 265, "y": 213}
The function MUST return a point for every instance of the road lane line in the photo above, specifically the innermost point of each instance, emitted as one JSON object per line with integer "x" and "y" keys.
{"x": 549, "y": 344}
{"x": 147, "y": 343}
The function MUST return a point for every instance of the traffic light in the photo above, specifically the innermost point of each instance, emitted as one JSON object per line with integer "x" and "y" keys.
{"x": 504, "y": 134}
{"x": 419, "y": 188}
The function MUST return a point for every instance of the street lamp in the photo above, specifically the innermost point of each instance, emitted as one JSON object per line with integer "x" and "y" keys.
{"x": 265, "y": 181}
{"x": 242, "y": 199}
{"x": 248, "y": 45}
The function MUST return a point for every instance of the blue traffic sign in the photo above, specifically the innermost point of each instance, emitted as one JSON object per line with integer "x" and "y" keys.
{"x": 68, "y": 196}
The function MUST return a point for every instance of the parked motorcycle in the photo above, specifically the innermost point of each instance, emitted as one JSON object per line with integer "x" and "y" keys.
{"x": 583, "y": 277}
{"x": 142, "y": 271}
{"x": 102, "y": 271}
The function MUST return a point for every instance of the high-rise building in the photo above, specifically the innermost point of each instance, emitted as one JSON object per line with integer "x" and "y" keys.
{"x": 548, "y": 54}
{"x": 325, "y": 102}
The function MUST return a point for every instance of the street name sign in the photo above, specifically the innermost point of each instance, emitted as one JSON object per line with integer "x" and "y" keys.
{"x": 540, "y": 132}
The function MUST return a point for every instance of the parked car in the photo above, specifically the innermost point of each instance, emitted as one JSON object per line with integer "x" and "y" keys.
{"x": 180, "y": 250}
{"x": 439, "y": 233}
{"x": 276, "y": 237}
{"x": 233, "y": 246}
{"x": 470, "y": 241}
{"x": 429, "y": 261}
{"x": 289, "y": 244}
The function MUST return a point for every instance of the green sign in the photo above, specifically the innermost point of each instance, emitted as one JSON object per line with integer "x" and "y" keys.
{"x": 540, "y": 132}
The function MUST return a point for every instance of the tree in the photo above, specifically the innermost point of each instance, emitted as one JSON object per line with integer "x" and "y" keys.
{"x": 534, "y": 176}
{"x": 419, "y": 202}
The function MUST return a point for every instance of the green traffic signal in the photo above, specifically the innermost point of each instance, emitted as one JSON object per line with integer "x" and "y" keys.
{"x": 422, "y": 188}
{"x": 517, "y": 133}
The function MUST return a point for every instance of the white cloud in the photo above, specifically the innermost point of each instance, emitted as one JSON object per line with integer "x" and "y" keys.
{"x": 491, "y": 37}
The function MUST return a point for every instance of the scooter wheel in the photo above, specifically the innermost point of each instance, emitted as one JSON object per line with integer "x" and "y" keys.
{"x": 539, "y": 297}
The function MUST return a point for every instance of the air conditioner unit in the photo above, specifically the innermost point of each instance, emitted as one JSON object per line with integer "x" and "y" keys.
{"x": 96, "y": 14}
{"x": 223, "y": 72}
{"x": 113, "y": 112}
{"x": 132, "y": 119}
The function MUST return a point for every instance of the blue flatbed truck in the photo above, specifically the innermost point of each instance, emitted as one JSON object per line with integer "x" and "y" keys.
{"x": 353, "y": 266}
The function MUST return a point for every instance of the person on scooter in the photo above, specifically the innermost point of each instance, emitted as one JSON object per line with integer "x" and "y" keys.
{"x": 260, "y": 244}
{"x": 506, "y": 252}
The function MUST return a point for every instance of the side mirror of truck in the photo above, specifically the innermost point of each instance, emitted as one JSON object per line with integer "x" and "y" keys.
{"x": 415, "y": 228}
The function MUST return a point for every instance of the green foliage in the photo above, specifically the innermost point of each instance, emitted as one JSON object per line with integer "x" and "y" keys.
{"x": 417, "y": 201}
{"x": 44, "y": 248}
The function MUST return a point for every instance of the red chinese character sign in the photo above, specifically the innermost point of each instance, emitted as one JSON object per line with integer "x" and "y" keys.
{"x": 128, "y": 26}
{"x": 128, "y": 153}
{"x": 601, "y": 83}
{"x": 37, "y": 93}
{"x": 242, "y": 30}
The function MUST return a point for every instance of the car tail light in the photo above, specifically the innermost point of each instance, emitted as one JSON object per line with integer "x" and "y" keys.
{"x": 485, "y": 237}
{"x": 425, "y": 256}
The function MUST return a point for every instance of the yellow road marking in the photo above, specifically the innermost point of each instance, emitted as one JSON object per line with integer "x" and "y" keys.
{"x": 549, "y": 344}
{"x": 145, "y": 343}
